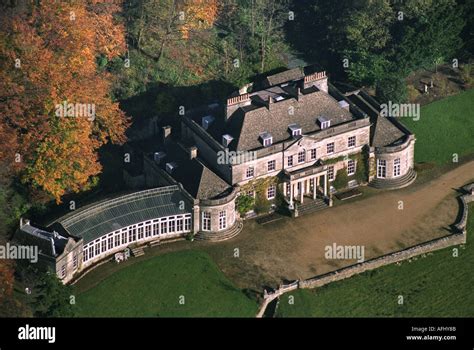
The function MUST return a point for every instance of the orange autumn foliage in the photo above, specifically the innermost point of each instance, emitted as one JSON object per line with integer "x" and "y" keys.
{"x": 199, "y": 14}
{"x": 48, "y": 57}
{"x": 6, "y": 279}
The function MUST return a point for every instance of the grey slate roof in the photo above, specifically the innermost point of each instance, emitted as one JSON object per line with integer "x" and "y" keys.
{"x": 199, "y": 180}
{"x": 49, "y": 243}
{"x": 195, "y": 176}
{"x": 288, "y": 75}
{"x": 110, "y": 215}
{"x": 385, "y": 133}
{"x": 247, "y": 123}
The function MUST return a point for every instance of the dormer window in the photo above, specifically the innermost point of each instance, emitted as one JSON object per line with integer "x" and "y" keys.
{"x": 295, "y": 129}
{"x": 207, "y": 121}
{"x": 324, "y": 122}
{"x": 226, "y": 140}
{"x": 266, "y": 138}
{"x": 279, "y": 98}
{"x": 170, "y": 167}
{"x": 343, "y": 104}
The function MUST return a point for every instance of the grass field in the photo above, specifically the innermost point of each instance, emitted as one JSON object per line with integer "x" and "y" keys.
{"x": 155, "y": 287}
{"x": 445, "y": 127}
{"x": 438, "y": 285}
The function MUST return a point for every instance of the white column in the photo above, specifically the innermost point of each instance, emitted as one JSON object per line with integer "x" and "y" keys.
{"x": 291, "y": 194}
{"x": 301, "y": 191}
{"x": 315, "y": 183}
{"x": 325, "y": 184}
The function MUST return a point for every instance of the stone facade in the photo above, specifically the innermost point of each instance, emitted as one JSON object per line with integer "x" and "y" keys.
{"x": 292, "y": 137}
{"x": 70, "y": 261}
{"x": 215, "y": 208}
{"x": 405, "y": 153}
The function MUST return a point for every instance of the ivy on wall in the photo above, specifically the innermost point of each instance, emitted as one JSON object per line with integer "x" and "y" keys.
{"x": 261, "y": 204}
{"x": 259, "y": 185}
{"x": 361, "y": 174}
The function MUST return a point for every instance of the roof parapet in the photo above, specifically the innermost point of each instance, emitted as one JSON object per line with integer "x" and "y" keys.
{"x": 315, "y": 76}
{"x": 238, "y": 99}
{"x": 233, "y": 103}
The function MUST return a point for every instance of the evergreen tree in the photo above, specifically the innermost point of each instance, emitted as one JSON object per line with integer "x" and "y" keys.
{"x": 53, "y": 298}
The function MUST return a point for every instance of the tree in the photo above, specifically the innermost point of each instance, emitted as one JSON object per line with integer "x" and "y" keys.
{"x": 48, "y": 59}
{"x": 263, "y": 21}
{"x": 428, "y": 34}
{"x": 392, "y": 88}
{"x": 156, "y": 24}
{"x": 6, "y": 279}
{"x": 54, "y": 298}
{"x": 368, "y": 35}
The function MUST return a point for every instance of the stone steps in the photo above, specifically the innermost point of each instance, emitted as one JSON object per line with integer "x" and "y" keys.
{"x": 390, "y": 184}
{"x": 155, "y": 243}
{"x": 137, "y": 251}
{"x": 311, "y": 206}
{"x": 218, "y": 237}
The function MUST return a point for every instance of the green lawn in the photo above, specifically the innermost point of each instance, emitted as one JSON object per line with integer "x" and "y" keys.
{"x": 154, "y": 287}
{"x": 438, "y": 285}
{"x": 445, "y": 127}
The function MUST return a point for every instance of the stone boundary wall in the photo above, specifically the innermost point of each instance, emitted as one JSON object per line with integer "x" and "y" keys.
{"x": 269, "y": 297}
{"x": 346, "y": 272}
{"x": 408, "y": 253}
{"x": 465, "y": 200}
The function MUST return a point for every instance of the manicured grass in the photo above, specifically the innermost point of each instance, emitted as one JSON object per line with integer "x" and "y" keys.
{"x": 154, "y": 287}
{"x": 445, "y": 127}
{"x": 438, "y": 285}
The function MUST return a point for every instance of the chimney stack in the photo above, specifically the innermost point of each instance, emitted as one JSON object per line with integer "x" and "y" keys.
{"x": 298, "y": 93}
{"x": 193, "y": 152}
{"x": 233, "y": 103}
{"x": 270, "y": 101}
{"x": 318, "y": 79}
{"x": 166, "y": 133}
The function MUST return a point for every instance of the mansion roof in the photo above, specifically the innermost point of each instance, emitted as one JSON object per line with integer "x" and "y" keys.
{"x": 385, "y": 131}
{"x": 288, "y": 75}
{"x": 195, "y": 176}
{"x": 272, "y": 110}
{"x": 199, "y": 181}
{"x": 249, "y": 122}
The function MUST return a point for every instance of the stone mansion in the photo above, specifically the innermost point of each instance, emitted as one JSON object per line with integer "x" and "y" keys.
{"x": 289, "y": 142}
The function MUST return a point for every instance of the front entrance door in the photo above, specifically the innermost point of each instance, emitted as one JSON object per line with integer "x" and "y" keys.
{"x": 299, "y": 188}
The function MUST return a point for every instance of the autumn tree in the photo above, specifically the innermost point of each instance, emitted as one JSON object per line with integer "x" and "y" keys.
{"x": 156, "y": 24}
{"x": 48, "y": 58}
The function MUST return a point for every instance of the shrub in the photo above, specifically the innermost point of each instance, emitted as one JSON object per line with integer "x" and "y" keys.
{"x": 466, "y": 74}
{"x": 244, "y": 203}
{"x": 413, "y": 93}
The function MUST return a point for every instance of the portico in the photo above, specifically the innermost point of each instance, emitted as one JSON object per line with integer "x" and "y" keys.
{"x": 310, "y": 182}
